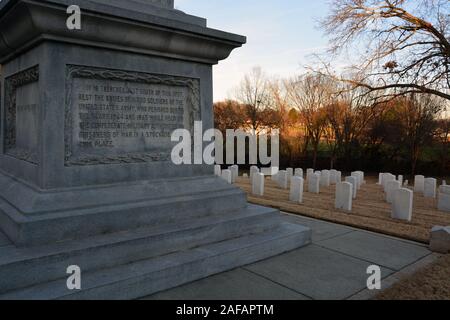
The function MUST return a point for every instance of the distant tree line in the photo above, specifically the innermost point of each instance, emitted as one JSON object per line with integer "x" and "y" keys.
{"x": 386, "y": 111}
{"x": 322, "y": 124}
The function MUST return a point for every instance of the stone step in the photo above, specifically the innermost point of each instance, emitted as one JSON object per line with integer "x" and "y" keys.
{"x": 142, "y": 278}
{"x": 21, "y": 267}
{"x": 4, "y": 241}
{"x": 79, "y": 223}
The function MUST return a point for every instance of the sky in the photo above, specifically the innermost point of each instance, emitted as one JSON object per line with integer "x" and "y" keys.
{"x": 281, "y": 36}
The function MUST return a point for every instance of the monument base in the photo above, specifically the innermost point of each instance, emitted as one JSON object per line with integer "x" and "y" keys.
{"x": 85, "y": 154}
{"x": 135, "y": 263}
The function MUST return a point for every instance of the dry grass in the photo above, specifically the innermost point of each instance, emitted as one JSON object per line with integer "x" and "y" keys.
{"x": 370, "y": 210}
{"x": 429, "y": 283}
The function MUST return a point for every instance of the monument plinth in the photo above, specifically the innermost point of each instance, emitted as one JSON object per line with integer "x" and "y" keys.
{"x": 85, "y": 149}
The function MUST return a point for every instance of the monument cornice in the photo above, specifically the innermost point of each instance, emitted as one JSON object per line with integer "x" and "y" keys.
{"x": 111, "y": 28}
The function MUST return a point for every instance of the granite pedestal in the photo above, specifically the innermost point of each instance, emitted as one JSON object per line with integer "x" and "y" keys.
{"x": 85, "y": 167}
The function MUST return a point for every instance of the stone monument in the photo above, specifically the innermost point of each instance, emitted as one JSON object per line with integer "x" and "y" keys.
{"x": 85, "y": 165}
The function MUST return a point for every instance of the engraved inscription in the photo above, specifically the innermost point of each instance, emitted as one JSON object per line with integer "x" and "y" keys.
{"x": 125, "y": 117}
{"x": 22, "y": 110}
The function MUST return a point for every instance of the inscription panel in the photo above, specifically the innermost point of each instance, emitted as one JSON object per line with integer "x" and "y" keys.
{"x": 22, "y": 112}
{"x": 125, "y": 117}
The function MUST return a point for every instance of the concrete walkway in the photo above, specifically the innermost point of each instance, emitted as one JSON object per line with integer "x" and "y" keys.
{"x": 333, "y": 267}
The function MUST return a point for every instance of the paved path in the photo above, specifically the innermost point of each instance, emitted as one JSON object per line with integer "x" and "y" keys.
{"x": 333, "y": 267}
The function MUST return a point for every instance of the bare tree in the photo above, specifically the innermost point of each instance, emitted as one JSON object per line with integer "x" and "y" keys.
{"x": 416, "y": 115}
{"x": 406, "y": 44}
{"x": 309, "y": 94}
{"x": 442, "y": 135}
{"x": 254, "y": 93}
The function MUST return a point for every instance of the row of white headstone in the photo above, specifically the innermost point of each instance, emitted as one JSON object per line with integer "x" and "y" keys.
{"x": 401, "y": 198}
{"x": 395, "y": 188}
{"x": 428, "y": 187}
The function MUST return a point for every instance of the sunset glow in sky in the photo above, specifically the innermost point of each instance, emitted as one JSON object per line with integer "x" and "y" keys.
{"x": 281, "y": 36}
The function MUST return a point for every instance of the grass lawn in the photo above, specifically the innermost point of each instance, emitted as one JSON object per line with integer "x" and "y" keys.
{"x": 429, "y": 283}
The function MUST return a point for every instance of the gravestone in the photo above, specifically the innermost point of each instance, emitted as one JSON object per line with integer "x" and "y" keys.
{"x": 444, "y": 198}
{"x": 333, "y": 176}
{"x": 391, "y": 189}
{"x": 299, "y": 172}
{"x": 354, "y": 182}
{"x": 283, "y": 179}
{"x": 388, "y": 177}
{"x": 296, "y": 191}
{"x": 338, "y": 176}
{"x": 309, "y": 172}
{"x": 344, "y": 196}
{"x": 430, "y": 187}
{"x": 253, "y": 171}
{"x": 274, "y": 177}
{"x": 218, "y": 170}
{"x": 440, "y": 239}
{"x": 227, "y": 175}
{"x": 235, "y": 172}
{"x": 290, "y": 173}
{"x": 380, "y": 178}
{"x": 357, "y": 176}
{"x": 444, "y": 189}
{"x": 325, "y": 178}
{"x": 314, "y": 183}
{"x": 400, "y": 179}
{"x": 419, "y": 183}
{"x": 402, "y": 204}
{"x": 258, "y": 184}
{"x": 85, "y": 154}
{"x": 361, "y": 177}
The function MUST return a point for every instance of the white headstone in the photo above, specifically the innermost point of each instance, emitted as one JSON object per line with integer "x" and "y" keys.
{"x": 218, "y": 170}
{"x": 314, "y": 183}
{"x": 283, "y": 179}
{"x": 235, "y": 172}
{"x": 344, "y": 196}
{"x": 338, "y": 177}
{"x": 386, "y": 179}
{"x": 444, "y": 202}
{"x": 227, "y": 176}
{"x": 290, "y": 172}
{"x": 402, "y": 206}
{"x": 309, "y": 172}
{"x": 325, "y": 178}
{"x": 357, "y": 176}
{"x": 380, "y": 179}
{"x": 400, "y": 179}
{"x": 440, "y": 239}
{"x": 430, "y": 187}
{"x": 296, "y": 192}
{"x": 299, "y": 172}
{"x": 419, "y": 184}
{"x": 274, "y": 177}
{"x": 258, "y": 184}
{"x": 361, "y": 177}
{"x": 354, "y": 182}
{"x": 333, "y": 176}
{"x": 245, "y": 175}
{"x": 391, "y": 188}
{"x": 444, "y": 189}
{"x": 444, "y": 182}
{"x": 444, "y": 198}
{"x": 253, "y": 170}
{"x": 406, "y": 183}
